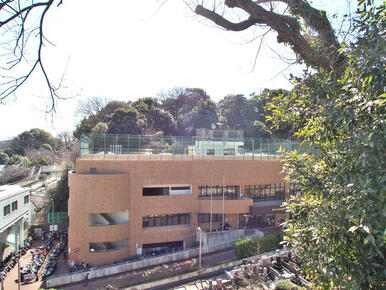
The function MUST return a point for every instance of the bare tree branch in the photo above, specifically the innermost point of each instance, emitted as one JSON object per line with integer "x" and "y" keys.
{"x": 13, "y": 19}
{"x": 326, "y": 56}
{"x": 219, "y": 20}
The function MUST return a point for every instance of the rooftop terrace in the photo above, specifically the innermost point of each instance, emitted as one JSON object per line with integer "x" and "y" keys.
{"x": 159, "y": 147}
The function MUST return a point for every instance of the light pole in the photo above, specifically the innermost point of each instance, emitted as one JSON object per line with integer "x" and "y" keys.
{"x": 199, "y": 250}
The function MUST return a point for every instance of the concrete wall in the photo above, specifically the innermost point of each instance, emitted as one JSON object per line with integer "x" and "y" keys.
{"x": 216, "y": 238}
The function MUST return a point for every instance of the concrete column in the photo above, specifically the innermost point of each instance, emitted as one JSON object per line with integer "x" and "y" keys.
{"x": 16, "y": 229}
{"x": 21, "y": 233}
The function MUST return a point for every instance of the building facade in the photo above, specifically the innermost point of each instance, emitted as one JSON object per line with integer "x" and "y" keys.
{"x": 131, "y": 195}
{"x": 17, "y": 210}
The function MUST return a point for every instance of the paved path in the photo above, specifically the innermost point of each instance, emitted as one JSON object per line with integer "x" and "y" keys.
{"x": 9, "y": 281}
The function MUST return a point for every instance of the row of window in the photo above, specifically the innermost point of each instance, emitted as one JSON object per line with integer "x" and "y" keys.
{"x": 205, "y": 217}
{"x": 165, "y": 220}
{"x": 13, "y": 206}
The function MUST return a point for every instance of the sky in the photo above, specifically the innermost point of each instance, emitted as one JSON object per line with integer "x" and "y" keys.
{"x": 124, "y": 50}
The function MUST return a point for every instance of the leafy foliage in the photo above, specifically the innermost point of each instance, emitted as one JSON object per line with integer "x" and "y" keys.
{"x": 61, "y": 193}
{"x": 338, "y": 224}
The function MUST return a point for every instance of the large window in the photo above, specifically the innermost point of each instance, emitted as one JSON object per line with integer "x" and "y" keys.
{"x": 216, "y": 191}
{"x": 266, "y": 191}
{"x": 14, "y": 205}
{"x": 108, "y": 219}
{"x": 7, "y": 210}
{"x": 205, "y": 217}
{"x": 108, "y": 246}
{"x": 26, "y": 199}
{"x": 165, "y": 220}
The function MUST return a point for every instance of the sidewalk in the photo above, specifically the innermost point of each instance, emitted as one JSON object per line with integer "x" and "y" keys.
{"x": 156, "y": 272}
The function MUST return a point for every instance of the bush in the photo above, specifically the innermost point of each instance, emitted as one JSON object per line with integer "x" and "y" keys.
{"x": 285, "y": 285}
{"x": 3, "y": 158}
{"x": 254, "y": 246}
{"x": 16, "y": 159}
{"x": 43, "y": 161}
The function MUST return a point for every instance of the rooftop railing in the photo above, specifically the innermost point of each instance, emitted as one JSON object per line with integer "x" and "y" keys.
{"x": 119, "y": 146}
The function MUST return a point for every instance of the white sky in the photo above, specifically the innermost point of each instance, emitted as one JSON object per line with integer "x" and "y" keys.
{"x": 127, "y": 49}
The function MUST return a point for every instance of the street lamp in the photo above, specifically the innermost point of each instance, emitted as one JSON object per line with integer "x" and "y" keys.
{"x": 199, "y": 250}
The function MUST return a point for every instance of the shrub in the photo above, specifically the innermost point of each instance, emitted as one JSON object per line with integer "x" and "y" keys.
{"x": 285, "y": 285}
{"x": 3, "y": 158}
{"x": 254, "y": 246}
{"x": 43, "y": 161}
{"x": 16, "y": 159}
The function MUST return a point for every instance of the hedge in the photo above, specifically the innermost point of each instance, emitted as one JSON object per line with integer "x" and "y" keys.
{"x": 254, "y": 246}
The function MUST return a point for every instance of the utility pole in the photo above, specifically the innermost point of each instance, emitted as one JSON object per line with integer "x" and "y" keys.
{"x": 200, "y": 248}
{"x": 211, "y": 202}
{"x": 223, "y": 201}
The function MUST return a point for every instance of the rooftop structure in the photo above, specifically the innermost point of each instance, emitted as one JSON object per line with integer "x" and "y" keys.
{"x": 206, "y": 144}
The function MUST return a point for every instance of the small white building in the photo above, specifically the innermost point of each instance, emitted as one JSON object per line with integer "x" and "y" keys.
{"x": 16, "y": 209}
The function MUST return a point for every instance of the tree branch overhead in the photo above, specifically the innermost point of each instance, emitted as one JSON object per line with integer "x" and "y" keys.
{"x": 326, "y": 55}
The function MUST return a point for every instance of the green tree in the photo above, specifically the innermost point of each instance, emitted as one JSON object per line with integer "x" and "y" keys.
{"x": 125, "y": 122}
{"x": 240, "y": 113}
{"x": 201, "y": 116}
{"x": 184, "y": 104}
{"x": 154, "y": 117}
{"x": 338, "y": 224}
{"x": 60, "y": 194}
{"x": 100, "y": 128}
{"x": 35, "y": 138}
{"x": 97, "y": 115}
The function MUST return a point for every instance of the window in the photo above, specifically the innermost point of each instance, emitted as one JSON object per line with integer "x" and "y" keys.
{"x": 266, "y": 191}
{"x": 14, "y": 205}
{"x": 165, "y": 220}
{"x": 154, "y": 191}
{"x": 108, "y": 219}
{"x": 26, "y": 199}
{"x": 167, "y": 190}
{"x": 6, "y": 210}
{"x": 210, "y": 152}
{"x": 229, "y": 151}
{"x": 215, "y": 191}
{"x": 108, "y": 246}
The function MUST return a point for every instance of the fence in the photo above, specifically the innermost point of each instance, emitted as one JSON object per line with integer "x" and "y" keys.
{"x": 57, "y": 217}
{"x": 115, "y": 144}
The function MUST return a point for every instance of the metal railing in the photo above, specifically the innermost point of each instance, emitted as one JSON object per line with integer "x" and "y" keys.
{"x": 183, "y": 147}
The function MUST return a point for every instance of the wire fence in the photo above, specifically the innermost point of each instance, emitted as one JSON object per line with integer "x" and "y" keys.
{"x": 57, "y": 217}
{"x": 185, "y": 146}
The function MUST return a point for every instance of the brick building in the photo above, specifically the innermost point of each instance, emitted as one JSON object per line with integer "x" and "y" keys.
{"x": 129, "y": 195}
